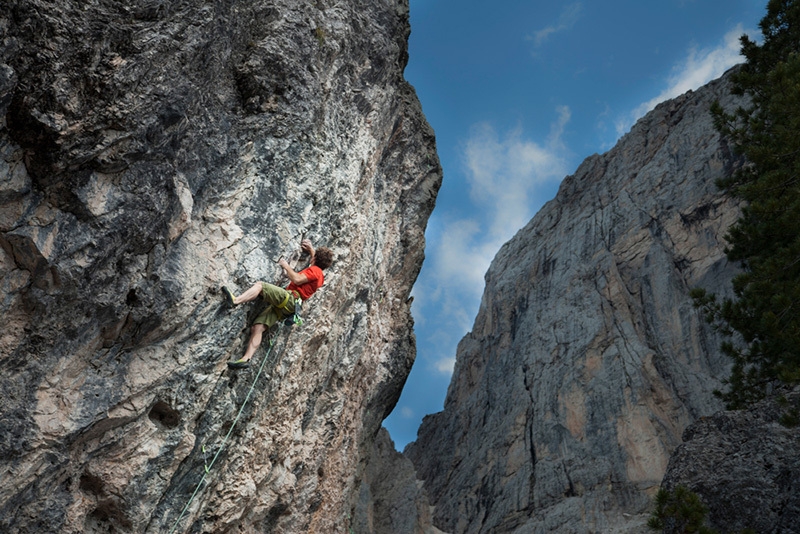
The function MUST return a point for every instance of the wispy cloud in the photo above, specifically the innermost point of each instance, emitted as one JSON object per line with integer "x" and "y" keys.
{"x": 507, "y": 176}
{"x": 445, "y": 365}
{"x": 566, "y": 20}
{"x": 503, "y": 173}
{"x": 698, "y": 68}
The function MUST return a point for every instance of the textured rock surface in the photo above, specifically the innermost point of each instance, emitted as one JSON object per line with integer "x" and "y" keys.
{"x": 745, "y": 467}
{"x": 391, "y": 499}
{"x": 587, "y": 360}
{"x": 152, "y": 151}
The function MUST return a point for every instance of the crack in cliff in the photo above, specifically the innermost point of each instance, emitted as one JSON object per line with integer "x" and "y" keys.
{"x": 529, "y": 433}
{"x": 616, "y": 327}
{"x": 570, "y": 486}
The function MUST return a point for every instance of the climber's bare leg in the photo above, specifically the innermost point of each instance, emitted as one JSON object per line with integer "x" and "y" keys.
{"x": 251, "y": 294}
{"x": 256, "y": 334}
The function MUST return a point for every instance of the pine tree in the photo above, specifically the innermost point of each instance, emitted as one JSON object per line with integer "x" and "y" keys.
{"x": 764, "y": 316}
{"x": 679, "y": 512}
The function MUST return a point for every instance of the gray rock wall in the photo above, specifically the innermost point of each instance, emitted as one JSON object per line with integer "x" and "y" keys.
{"x": 391, "y": 499}
{"x": 587, "y": 360}
{"x": 745, "y": 467}
{"x": 152, "y": 151}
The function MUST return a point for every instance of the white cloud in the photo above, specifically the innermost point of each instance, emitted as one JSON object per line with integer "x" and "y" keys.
{"x": 699, "y": 68}
{"x": 566, "y": 20}
{"x": 446, "y": 365}
{"x": 456, "y": 245}
{"x": 505, "y": 176}
{"x": 504, "y": 173}
{"x": 406, "y": 412}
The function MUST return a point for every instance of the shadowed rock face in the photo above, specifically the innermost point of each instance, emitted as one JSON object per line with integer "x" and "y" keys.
{"x": 152, "y": 151}
{"x": 745, "y": 467}
{"x": 587, "y": 359}
{"x": 391, "y": 499}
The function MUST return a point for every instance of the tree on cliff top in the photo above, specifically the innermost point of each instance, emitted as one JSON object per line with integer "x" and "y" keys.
{"x": 765, "y": 312}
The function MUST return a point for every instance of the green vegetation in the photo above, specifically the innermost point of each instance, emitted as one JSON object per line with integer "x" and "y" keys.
{"x": 320, "y": 35}
{"x": 679, "y": 512}
{"x": 762, "y": 321}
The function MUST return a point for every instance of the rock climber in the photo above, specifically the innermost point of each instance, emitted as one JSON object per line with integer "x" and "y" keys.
{"x": 280, "y": 301}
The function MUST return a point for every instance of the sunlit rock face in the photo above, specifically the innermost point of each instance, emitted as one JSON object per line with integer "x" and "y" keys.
{"x": 151, "y": 152}
{"x": 587, "y": 359}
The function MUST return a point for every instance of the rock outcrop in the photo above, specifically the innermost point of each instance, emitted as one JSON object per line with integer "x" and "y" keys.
{"x": 152, "y": 151}
{"x": 587, "y": 360}
{"x": 745, "y": 467}
{"x": 391, "y": 499}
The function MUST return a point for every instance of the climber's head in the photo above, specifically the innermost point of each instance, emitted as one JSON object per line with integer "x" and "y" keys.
{"x": 323, "y": 257}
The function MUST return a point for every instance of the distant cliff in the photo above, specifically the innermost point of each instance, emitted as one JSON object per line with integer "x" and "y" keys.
{"x": 587, "y": 360}
{"x": 152, "y": 151}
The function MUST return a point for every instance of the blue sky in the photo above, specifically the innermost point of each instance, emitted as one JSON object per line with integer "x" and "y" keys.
{"x": 519, "y": 93}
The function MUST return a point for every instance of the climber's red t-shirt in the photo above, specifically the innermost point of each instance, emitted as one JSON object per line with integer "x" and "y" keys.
{"x": 315, "y": 281}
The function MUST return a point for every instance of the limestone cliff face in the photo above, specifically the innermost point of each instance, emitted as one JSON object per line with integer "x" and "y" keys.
{"x": 587, "y": 360}
{"x": 152, "y": 151}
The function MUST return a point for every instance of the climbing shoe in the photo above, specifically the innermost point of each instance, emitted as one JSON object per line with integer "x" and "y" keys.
{"x": 228, "y": 295}
{"x": 238, "y": 364}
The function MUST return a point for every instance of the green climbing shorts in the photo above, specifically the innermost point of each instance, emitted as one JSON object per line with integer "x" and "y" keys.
{"x": 275, "y": 297}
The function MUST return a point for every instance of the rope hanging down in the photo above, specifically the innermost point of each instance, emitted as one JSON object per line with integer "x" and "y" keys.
{"x": 225, "y": 440}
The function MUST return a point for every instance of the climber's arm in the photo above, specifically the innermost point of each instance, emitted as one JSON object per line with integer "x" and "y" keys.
{"x": 296, "y": 278}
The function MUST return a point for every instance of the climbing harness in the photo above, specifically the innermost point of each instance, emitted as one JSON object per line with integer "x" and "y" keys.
{"x": 208, "y": 466}
{"x": 294, "y": 318}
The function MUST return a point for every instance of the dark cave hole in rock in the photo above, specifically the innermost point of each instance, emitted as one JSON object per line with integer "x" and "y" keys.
{"x": 132, "y": 299}
{"x": 225, "y": 427}
{"x": 91, "y": 484}
{"x": 107, "y": 517}
{"x": 163, "y": 415}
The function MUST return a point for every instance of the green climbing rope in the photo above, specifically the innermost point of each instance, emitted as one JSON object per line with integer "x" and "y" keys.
{"x": 225, "y": 440}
